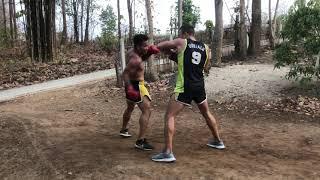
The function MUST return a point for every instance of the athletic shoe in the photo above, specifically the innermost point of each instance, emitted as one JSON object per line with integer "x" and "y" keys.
{"x": 125, "y": 133}
{"x": 216, "y": 144}
{"x": 143, "y": 145}
{"x": 164, "y": 157}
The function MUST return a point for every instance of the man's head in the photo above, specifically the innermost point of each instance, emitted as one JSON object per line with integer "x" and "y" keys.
{"x": 140, "y": 42}
{"x": 186, "y": 31}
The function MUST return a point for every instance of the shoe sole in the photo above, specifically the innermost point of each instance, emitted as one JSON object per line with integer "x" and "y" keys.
{"x": 216, "y": 147}
{"x": 141, "y": 148}
{"x": 125, "y": 135}
{"x": 169, "y": 160}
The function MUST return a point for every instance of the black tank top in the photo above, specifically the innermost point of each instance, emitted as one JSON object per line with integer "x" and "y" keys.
{"x": 191, "y": 63}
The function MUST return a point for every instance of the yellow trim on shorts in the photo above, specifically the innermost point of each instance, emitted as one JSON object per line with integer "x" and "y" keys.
{"x": 143, "y": 91}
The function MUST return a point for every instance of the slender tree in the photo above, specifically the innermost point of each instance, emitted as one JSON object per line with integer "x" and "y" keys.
{"x": 14, "y": 19}
{"x": 33, "y": 19}
{"x": 152, "y": 74}
{"x": 180, "y": 5}
{"x": 42, "y": 11}
{"x": 64, "y": 20}
{"x": 86, "y": 34}
{"x": 53, "y": 20}
{"x": 11, "y": 22}
{"x": 218, "y": 33}
{"x": 243, "y": 30}
{"x": 48, "y": 7}
{"x": 75, "y": 20}
{"x": 255, "y": 30}
{"x": 4, "y": 19}
{"x": 81, "y": 20}
{"x": 272, "y": 24}
{"x": 117, "y": 62}
{"x": 129, "y": 5}
{"x": 28, "y": 28}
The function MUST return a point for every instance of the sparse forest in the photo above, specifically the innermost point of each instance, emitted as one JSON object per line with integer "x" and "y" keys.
{"x": 67, "y": 68}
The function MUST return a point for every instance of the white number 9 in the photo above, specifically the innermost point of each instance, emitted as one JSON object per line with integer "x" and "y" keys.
{"x": 196, "y": 58}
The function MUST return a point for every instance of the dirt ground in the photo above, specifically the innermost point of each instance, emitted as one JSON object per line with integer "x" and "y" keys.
{"x": 73, "y": 134}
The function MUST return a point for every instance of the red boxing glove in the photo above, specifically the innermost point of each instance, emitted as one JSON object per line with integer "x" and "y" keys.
{"x": 132, "y": 93}
{"x": 152, "y": 49}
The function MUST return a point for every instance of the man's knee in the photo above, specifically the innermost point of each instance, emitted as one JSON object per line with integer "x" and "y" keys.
{"x": 169, "y": 116}
{"x": 130, "y": 108}
{"x": 146, "y": 108}
{"x": 206, "y": 114}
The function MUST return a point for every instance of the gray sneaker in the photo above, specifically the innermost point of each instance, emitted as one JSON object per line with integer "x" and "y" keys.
{"x": 216, "y": 144}
{"x": 164, "y": 157}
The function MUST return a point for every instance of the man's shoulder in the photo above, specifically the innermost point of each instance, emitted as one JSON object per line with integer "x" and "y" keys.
{"x": 181, "y": 40}
{"x": 132, "y": 55}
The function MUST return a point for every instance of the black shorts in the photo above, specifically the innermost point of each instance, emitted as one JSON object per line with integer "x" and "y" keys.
{"x": 197, "y": 94}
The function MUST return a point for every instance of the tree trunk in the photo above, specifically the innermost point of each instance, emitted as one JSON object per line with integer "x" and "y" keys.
{"x": 86, "y": 35}
{"x": 272, "y": 24}
{"x": 75, "y": 21}
{"x": 129, "y": 4}
{"x": 237, "y": 35}
{"x": 11, "y": 22}
{"x": 48, "y": 30}
{"x": 53, "y": 20}
{"x": 33, "y": 19}
{"x": 81, "y": 20}
{"x": 117, "y": 63}
{"x": 28, "y": 28}
{"x": 39, "y": 17}
{"x": 14, "y": 20}
{"x": 255, "y": 33}
{"x": 243, "y": 31}
{"x": 218, "y": 34}
{"x": 271, "y": 35}
{"x": 64, "y": 19}
{"x": 180, "y": 4}
{"x": 42, "y": 30}
{"x": 4, "y": 20}
{"x": 151, "y": 72}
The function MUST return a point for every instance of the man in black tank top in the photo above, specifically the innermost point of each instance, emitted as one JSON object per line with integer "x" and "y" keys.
{"x": 192, "y": 59}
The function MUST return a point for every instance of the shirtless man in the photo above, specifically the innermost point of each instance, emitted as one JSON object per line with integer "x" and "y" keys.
{"x": 192, "y": 58}
{"x": 136, "y": 92}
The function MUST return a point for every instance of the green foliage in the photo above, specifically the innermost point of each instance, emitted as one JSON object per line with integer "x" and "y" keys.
{"x": 108, "y": 25}
{"x": 301, "y": 34}
{"x": 190, "y": 13}
{"x": 209, "y": 25}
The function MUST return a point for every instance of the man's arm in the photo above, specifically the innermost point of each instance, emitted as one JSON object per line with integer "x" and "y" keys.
{"x": 152, "y": 49}
{"x": 177, "y": 44}
{"x": 125, "y": 76}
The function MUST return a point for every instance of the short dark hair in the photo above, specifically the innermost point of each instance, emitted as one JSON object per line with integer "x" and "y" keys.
{"x": 186, "y": 28}
{"x": 139, "y": 39}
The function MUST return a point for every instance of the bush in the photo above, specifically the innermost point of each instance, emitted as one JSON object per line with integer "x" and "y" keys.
{"x": 108, "y": 42}
{"x": 301, "y": 36}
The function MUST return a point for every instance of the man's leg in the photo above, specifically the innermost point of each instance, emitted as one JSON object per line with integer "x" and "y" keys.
{"x": 212, "y": 124}
{"x": 145, "y": 108}
{"x": 173, "y": 110}
{"x": 126, "y": 118}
